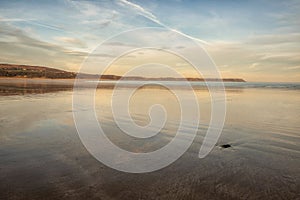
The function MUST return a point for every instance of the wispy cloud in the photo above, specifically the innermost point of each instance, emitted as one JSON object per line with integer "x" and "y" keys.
{"x": 272, "y": 39}
{"x": 271, "y": 54}
{"x": 71, "y": 41}
{"x": 85, "y": 7}
{"x": 293, "y": 68}
{"x": 33, "y": 22}
{"x": 35, "y": 51}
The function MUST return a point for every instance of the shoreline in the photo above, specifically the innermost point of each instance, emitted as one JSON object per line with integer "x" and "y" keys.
{"x": 30, "y": 72}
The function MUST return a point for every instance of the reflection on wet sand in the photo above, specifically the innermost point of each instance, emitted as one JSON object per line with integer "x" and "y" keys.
{"x": 23, "y": 86}
{"x": 41, "y": 156}
{"x": 35, "y": 86}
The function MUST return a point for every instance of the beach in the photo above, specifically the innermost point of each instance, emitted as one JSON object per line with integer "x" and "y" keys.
{"x": 42, "y": 157}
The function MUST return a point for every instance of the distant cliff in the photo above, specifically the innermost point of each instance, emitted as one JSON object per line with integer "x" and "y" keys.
{"x": 26, "y": 71}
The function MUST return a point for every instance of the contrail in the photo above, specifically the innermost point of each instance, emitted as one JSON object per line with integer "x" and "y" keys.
{"x": 153, "y": 18}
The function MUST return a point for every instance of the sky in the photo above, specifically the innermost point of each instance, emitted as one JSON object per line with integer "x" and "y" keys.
{"x": 257, "y": 40}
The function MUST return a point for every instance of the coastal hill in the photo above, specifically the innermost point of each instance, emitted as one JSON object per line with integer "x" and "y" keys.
{"x": 26, "y": 71}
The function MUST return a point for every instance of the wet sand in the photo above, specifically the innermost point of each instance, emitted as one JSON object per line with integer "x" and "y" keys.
{"x": 41, "y": 156}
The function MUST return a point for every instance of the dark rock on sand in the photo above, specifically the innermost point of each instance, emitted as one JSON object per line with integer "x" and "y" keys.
{"x": 225, "y": 146}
